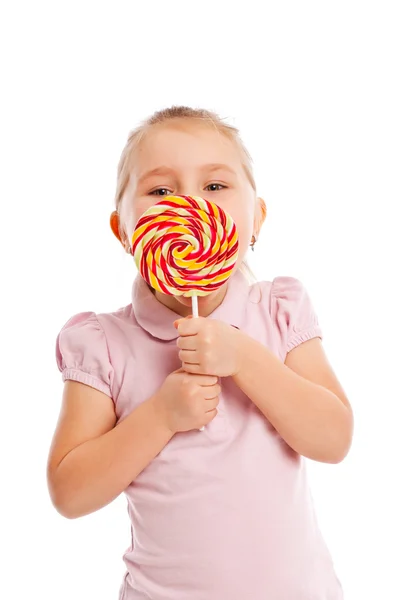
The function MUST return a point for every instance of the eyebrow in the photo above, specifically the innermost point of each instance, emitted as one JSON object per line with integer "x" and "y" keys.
{"x": 167, "y": 171}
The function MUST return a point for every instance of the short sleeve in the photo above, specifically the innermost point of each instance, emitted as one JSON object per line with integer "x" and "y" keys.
{"x": 82, "y": 353}
{"x": 293, "y": 312}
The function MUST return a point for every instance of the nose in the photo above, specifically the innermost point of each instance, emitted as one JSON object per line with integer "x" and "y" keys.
{"x": 188, "y": 191}
{"x": 188, "y": 187}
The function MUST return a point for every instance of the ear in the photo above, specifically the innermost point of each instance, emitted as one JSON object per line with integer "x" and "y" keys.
{"x": 115, "y": 227}
{"x": 260, "y": 216}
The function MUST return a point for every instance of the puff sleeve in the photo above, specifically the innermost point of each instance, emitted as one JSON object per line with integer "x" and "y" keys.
{"x": 82, "y": 353}
{"x": 293, "y": 312}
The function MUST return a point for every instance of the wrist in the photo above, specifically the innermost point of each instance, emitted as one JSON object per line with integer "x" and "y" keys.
{"x": 239, "y": 344}
{"x": 161, "y": 414}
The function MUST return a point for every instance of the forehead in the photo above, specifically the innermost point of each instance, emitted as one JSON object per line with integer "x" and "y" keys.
{"x": 184, "y": 146}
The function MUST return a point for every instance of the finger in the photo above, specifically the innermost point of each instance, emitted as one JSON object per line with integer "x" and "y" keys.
{"x": 192, "y": 369}
{"x": 190, "y": 357}
{"x": 212, "y": 403}
{"x": 210, "y": 415}
{"x": 212, "y": 392}
{"x": 187, "y": 326}
{"x": 187, "y": 343}
{"x": 205, "y": 380}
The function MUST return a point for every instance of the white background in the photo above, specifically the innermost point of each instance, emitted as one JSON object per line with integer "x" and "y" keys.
{"x": 314, "y": 89}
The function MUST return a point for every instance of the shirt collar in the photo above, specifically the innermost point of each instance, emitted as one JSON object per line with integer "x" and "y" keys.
{"x": 158, "y": 320}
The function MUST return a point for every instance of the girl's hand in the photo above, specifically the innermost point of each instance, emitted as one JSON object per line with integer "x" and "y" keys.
{"x": 187, "y": 401}
{"x": 208, "y": 346}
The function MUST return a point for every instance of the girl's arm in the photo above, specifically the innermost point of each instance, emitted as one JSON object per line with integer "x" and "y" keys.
{"x": 91, "y": 460}
{"x": 302, "y": 398}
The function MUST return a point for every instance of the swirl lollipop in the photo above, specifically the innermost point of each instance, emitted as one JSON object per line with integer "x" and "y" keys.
{"x": 185, "y": 246}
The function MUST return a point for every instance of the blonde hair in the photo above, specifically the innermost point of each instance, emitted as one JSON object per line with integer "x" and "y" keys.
{"x": 182, "y": 113}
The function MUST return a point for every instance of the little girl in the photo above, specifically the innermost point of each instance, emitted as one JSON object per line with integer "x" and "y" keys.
{"x": 224, "y": 513}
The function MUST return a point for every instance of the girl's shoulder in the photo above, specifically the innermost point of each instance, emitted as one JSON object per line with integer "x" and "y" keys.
{"x": 290, "y": 308}
{"x": 281, "y": 290}
{"x": 82, "y": 347}
{"x": 89, "y": 325}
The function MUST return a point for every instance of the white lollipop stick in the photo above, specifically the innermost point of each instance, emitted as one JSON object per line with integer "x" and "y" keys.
{"x": 195, "y": 306}
{"x": 195, "y": 311}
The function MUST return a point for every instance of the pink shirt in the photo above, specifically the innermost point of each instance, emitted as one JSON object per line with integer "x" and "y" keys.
{"x": 222, "y": 514}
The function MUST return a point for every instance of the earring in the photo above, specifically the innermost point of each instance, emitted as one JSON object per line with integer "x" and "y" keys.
{"x": 253, "y": 241}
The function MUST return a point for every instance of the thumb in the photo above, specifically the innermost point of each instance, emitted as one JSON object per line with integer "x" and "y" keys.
{"x": 179, "y": 321}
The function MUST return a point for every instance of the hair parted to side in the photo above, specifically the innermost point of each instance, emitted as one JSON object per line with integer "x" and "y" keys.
{"x": 164, "y": 116}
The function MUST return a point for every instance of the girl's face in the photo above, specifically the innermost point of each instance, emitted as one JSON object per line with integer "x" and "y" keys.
{"x": 194, "y": 160}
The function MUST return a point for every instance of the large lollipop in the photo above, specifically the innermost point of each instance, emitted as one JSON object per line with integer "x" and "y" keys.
{"x": 185, "y": 246}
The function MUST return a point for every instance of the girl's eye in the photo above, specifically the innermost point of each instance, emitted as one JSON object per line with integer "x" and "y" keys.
{"x": 160, "y": 192}
{"x": 215, "y": 187}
